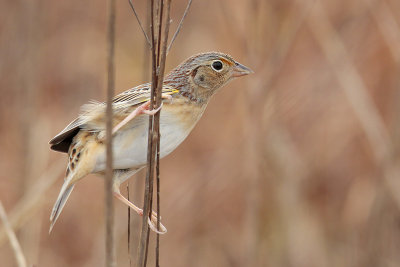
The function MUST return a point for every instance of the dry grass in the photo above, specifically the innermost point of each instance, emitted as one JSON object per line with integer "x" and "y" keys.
{"x": 295, "y": 165}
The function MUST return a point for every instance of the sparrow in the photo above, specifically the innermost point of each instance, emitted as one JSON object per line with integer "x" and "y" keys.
{"x": 186, "y": 91}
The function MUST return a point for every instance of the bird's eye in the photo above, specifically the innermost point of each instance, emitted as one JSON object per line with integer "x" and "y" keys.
{"x": 217, "y": 65}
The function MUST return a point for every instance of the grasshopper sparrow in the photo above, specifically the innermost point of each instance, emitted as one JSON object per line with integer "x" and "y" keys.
{"x": 186, "y": 92}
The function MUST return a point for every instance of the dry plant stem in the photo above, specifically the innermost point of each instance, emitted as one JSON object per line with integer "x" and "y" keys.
{"x": 134, "y": 237}
{"x": 157, "y": 119}
{"x": 110, "y": 247}
{"x": 31, "y": 155}
{"x": 180, "y": 25}
{"x": 158, "y": 200}
{"x": 142, "y": 250}
{"x": 140, "y": 23}
{"x": 160, "y": 17}
{"x": 129, "y": 228}
{"x": 153, "y": 137}
{"x": 152, "y": 133}
{"x": 19, "y": 256}
{"x": 157, "y": 128}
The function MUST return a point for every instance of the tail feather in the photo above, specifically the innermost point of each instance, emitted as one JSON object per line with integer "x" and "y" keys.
{"x": 60, "y": 203}
{"x": 79, "y": 165}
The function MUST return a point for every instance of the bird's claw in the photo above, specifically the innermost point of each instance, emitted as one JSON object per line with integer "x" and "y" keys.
{"x": 150, "y": 112}
{"x": 153, "y": 225}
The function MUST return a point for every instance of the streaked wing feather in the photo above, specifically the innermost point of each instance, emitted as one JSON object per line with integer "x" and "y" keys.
{"x": 121, "y": 102}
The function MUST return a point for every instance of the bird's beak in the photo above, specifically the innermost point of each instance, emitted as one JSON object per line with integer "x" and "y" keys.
{"x": 241, "y": 70}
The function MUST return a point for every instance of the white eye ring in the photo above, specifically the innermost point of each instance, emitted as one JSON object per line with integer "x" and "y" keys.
{"x": 217, "y": 65}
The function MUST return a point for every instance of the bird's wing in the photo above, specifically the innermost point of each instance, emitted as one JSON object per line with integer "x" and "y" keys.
{"x": 93, "y": 113}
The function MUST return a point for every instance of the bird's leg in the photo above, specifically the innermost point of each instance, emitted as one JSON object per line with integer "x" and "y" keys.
{"x": 152, "y": 222}
{"x": 142, "y": 109}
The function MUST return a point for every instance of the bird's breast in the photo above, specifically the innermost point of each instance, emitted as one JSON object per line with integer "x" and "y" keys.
{"x": 130, "y": 145}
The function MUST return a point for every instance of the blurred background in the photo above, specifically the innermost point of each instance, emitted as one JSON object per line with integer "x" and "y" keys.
{"x": 294, "y": 165}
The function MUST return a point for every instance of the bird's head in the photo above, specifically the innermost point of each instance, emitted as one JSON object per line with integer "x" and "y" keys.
{"x": 203, "y": 74}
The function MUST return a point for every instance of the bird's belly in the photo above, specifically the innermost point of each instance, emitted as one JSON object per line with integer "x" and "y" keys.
{"x": 134, "y": 153}
{"x": 130, "y": 145}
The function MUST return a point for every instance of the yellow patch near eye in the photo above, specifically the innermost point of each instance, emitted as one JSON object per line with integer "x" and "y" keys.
{"x": 226, "y": 61}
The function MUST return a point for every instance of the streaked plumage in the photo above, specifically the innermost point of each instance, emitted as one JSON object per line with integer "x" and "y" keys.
{"x": 186, "y": 92}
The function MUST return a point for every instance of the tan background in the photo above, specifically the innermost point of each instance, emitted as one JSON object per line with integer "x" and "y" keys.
{"x": 295, "y": 165}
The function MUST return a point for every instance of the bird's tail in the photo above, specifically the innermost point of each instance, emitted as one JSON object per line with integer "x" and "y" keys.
{"x": 65, "y": 191}
{"x": 80, "y": 164}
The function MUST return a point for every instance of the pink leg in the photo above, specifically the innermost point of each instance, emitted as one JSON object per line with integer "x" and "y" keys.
{"x": 152, "y": 222}
{"x": 142, "y": 109}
